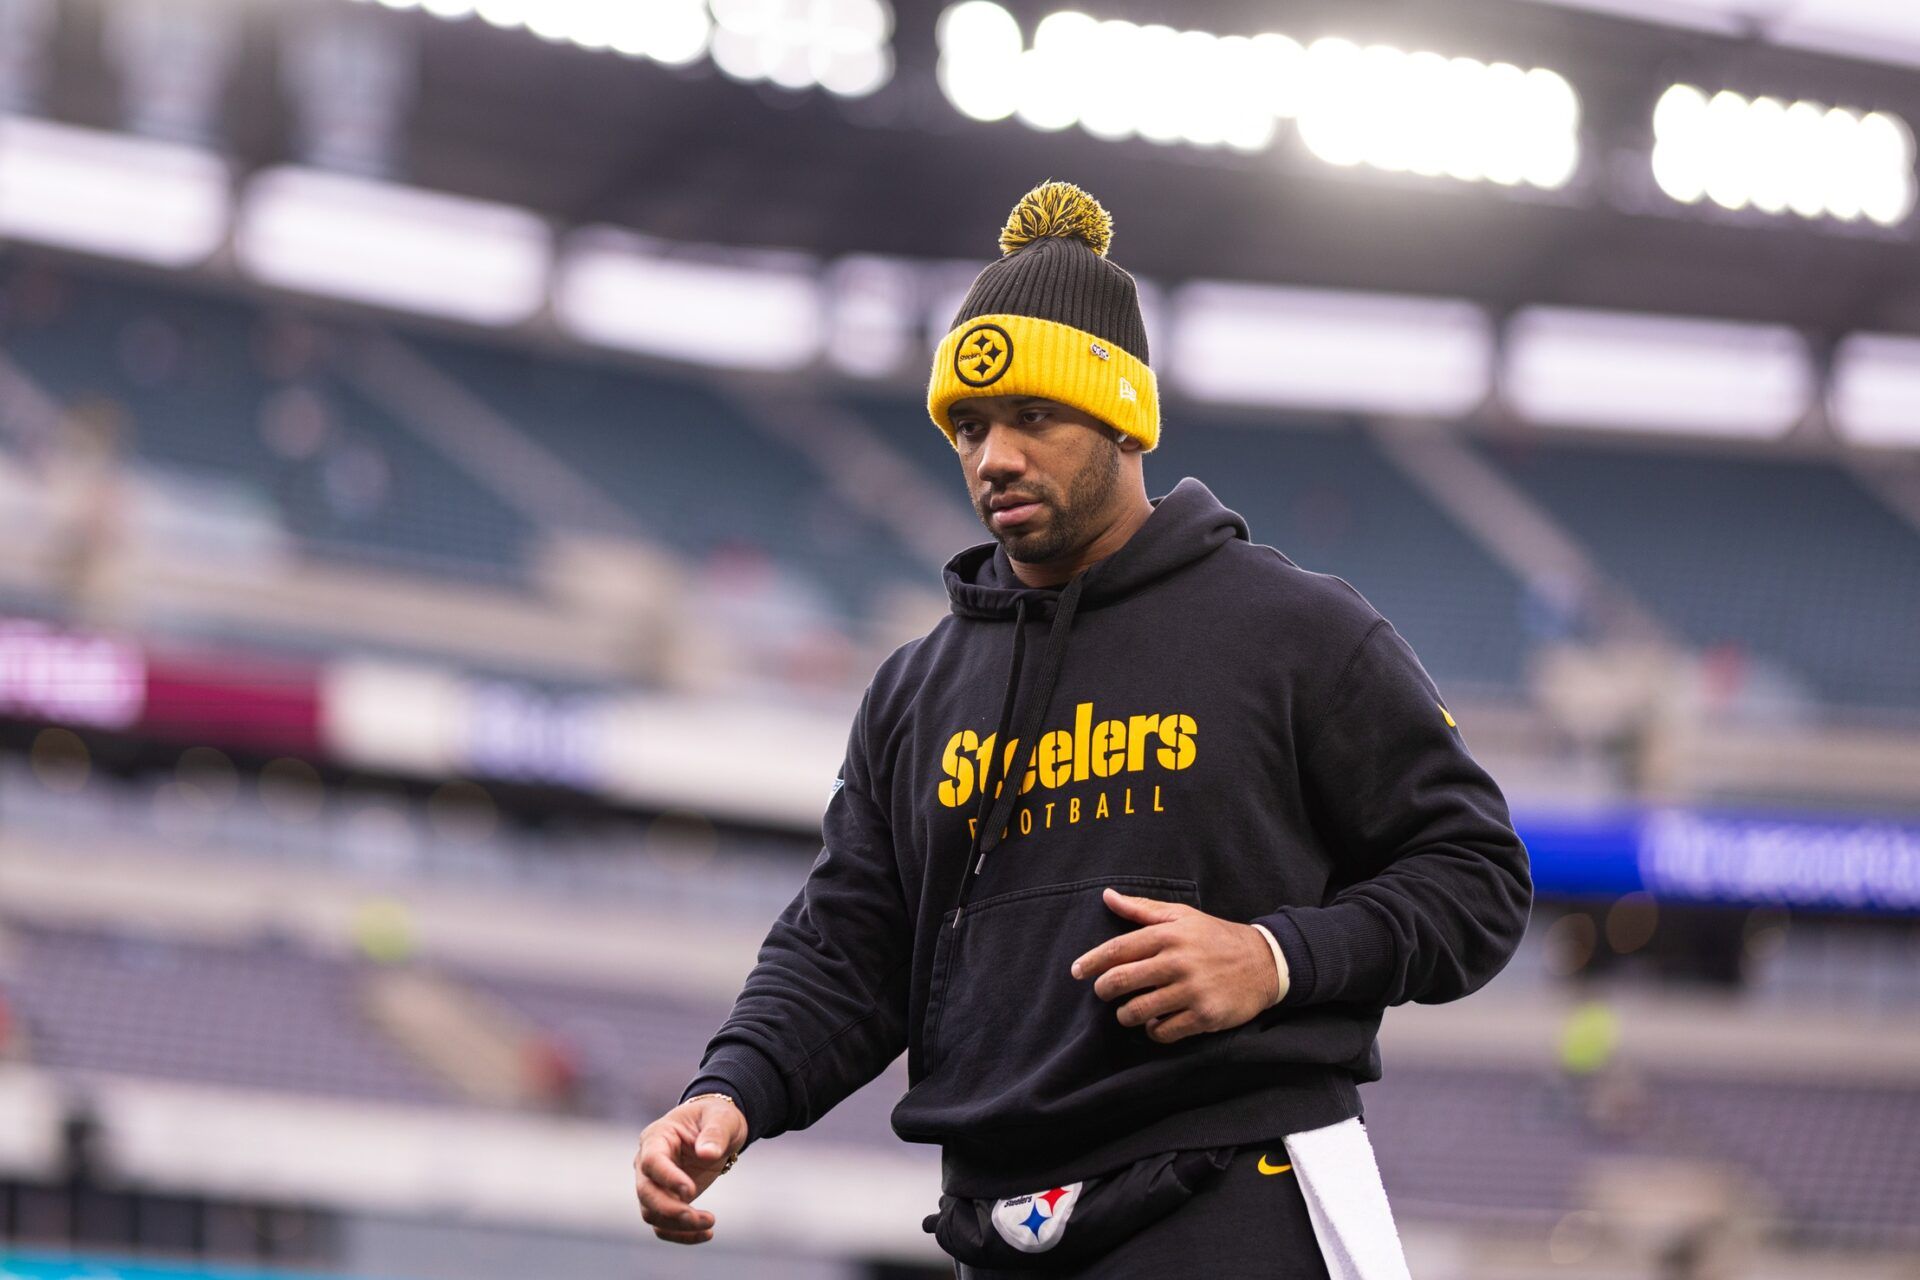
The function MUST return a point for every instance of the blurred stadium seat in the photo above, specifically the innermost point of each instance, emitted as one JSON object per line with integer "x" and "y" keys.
{"x": 1783, "y": 558}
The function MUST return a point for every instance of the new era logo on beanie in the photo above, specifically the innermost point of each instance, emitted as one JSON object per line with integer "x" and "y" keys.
{"x": 1052, "y": 317}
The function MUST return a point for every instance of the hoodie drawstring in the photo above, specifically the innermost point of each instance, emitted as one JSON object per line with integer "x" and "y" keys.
{"x": 985, "y": 806}
{"x": 988, "y": 827}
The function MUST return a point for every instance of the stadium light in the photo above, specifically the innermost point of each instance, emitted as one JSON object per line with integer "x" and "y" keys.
{"x": 1378, "y": 106}
{"x": 673, "y": 32}
{"x": 1425, "y": 114}
{"x": 1320, "y": 349}
{"x": 669, "y": 31}
{"x": 124, "y": 197}
{"x": 979, "y": 67}
{"x": 1874, "y": 396}
{"x": 1774, "y": 156}
{"x": 394, "y": 246}
{"x": 761, "y": 311}
{"x": 1655, "y": 373}
{"x": 840, "y": 45}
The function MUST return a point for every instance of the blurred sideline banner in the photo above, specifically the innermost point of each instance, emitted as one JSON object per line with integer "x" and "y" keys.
{"x": 1737, "y": 858}
{"x": 48, "y": 1266}
{"x": 758, "y": 762}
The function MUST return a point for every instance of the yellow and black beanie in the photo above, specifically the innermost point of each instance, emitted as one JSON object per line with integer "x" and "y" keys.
{"x": 1052, "y": 317}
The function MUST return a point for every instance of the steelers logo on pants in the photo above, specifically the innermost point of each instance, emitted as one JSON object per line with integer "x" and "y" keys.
{"x": 1035, "y": 1223}
{"x": 982, "y": 355}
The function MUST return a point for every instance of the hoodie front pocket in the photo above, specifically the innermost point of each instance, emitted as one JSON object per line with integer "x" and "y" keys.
{"x": 1004, "y": 1011}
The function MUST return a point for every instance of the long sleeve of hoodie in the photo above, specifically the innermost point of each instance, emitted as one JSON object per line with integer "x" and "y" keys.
{"x": 1433, "y": 883}
{"x": 825, "y": 1007}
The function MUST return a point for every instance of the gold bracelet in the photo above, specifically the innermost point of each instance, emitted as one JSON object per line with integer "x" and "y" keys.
{"x": 735, "y": 1157}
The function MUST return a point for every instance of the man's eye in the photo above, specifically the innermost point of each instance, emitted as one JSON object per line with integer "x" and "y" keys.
{"x": 1032, "y": 415}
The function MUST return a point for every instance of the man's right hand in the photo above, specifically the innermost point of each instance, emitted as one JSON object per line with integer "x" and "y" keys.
{"x": 680, "y": 1155}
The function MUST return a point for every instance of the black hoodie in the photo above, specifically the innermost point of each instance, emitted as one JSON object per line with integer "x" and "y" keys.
{"x": 1216, "y": 726}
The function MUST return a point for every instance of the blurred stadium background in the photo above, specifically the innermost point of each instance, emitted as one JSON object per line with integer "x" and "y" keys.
{"x": 460, "y": 461}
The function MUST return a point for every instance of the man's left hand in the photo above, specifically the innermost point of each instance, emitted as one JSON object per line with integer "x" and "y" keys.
{"x": 1185, "y": 971}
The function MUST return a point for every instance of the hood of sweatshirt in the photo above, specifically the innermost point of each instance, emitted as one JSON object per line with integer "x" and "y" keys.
{"x": 1187, "y": 524}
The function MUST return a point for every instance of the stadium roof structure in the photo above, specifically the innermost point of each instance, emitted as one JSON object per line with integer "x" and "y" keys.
{"x": 688, "y": 154}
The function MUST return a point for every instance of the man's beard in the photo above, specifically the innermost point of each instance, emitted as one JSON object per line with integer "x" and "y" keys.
{"x": 1089, "y": 494}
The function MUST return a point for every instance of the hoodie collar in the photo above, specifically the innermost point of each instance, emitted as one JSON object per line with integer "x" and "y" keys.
{"x": 1187, "y": 524}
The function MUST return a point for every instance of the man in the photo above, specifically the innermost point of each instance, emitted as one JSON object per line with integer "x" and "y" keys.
{"x": 1129, "y": 853}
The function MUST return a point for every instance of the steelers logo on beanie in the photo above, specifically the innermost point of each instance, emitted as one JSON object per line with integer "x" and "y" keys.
{"x": 1052, "y": 317}
{"x": 982, "y": 354}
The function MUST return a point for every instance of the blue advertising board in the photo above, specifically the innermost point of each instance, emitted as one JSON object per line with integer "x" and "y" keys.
{"x": 1722, "y": 856}
{"x": 50, "y": 1266}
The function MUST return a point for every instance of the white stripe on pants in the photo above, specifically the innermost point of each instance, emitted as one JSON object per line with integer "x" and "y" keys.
{"x": 1347, "y": 1203}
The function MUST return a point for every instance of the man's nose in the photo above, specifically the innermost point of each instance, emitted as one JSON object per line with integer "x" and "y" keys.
{"x": 1000, "y": 454}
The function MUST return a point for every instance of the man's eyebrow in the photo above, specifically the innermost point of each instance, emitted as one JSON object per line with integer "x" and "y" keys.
{"x": 1019, "y": 402}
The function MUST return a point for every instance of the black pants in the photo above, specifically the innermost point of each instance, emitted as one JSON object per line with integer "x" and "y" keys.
{"x": 1246, "y": 1225}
